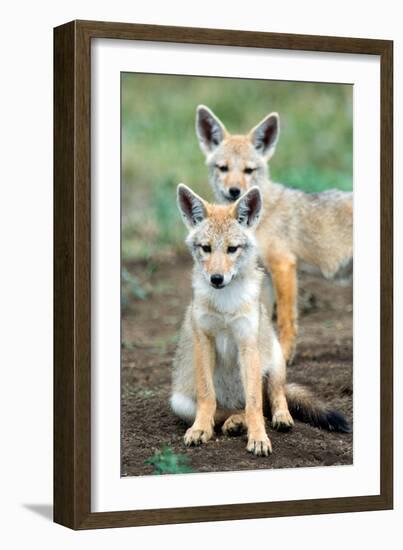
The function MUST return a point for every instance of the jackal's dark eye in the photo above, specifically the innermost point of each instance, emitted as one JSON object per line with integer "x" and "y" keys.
{"x": 249, "y": 170}
{"x": 232, "y": 249}
{"x": 222, "y": 167}
{"x": 206, "y": 248}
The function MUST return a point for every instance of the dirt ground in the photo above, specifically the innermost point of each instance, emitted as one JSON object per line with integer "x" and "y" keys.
{"x": 149, "y": 332}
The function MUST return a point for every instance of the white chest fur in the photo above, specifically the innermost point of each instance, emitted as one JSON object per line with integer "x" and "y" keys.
{"x": 227, "y": 373}
{"x": 230, "y": 316}
{"x": 233, "y": 310}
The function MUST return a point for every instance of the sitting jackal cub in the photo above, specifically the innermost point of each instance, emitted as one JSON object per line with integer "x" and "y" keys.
{"x": 228, "y": 366}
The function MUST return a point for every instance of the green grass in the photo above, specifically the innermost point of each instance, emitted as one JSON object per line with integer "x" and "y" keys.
{"x": 167, "y": 462}
{"x": 160, "y": 148}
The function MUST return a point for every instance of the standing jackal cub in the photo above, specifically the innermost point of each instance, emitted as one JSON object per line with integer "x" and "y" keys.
{"x": 315, "y": 228}
{"x": 228, "y": 367}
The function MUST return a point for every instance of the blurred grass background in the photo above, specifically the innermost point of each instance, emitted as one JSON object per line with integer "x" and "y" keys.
{"x": 160, "y": 148}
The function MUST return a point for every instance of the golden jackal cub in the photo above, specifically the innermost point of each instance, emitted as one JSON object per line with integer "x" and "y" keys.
{"x": 315, "y": 228}
{"x": 228, "y": 367}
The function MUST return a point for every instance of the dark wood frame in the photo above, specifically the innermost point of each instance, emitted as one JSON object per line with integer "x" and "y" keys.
{"x": 72, "y": 290}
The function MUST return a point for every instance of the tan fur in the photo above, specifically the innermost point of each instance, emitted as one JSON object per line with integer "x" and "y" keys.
{"x": 296, "y": 227}
{"x": 283, "y": 272}
{"x": 212, "y": 384}
{"x": 228, "y": 367}
{"x": 204, "y": 361}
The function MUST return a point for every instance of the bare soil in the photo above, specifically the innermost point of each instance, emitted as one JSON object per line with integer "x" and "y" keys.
{"x": 149, "y": 332}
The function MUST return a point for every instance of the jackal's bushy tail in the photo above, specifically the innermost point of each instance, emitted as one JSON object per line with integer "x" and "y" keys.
{"x": 304, "y": 406}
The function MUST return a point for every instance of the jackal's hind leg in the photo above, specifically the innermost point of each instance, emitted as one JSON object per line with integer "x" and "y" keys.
{"x": 235, "y": 424}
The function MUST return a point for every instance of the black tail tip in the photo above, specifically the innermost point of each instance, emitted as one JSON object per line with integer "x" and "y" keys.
{"x": 335, "y": 421}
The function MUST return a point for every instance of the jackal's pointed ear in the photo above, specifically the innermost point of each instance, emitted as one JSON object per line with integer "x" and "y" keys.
{"x": 191, "y": 206}
{"x": 209, "y": 129}
{"x": 248, "y": 207}
{"x": 265, "y": 135}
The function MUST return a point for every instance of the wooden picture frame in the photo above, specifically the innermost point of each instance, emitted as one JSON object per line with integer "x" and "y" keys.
{"x": 72, "y": 274}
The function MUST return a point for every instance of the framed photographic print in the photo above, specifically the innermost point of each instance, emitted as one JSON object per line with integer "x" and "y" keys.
{"x": 216, "y": 354}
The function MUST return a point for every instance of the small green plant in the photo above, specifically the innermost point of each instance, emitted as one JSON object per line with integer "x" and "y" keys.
{"x": 167, "y": 462}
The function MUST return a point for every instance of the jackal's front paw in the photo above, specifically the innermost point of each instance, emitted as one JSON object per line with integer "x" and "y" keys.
{"x": 235, "y": 424}
{"x": 282, "y": 420}
{"x": 197, "y": 435}
{"x": 259, "y": 445}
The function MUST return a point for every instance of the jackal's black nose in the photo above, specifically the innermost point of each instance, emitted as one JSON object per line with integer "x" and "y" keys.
{"x": 234, "y": 192}
{"x": 216, "y": 279}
